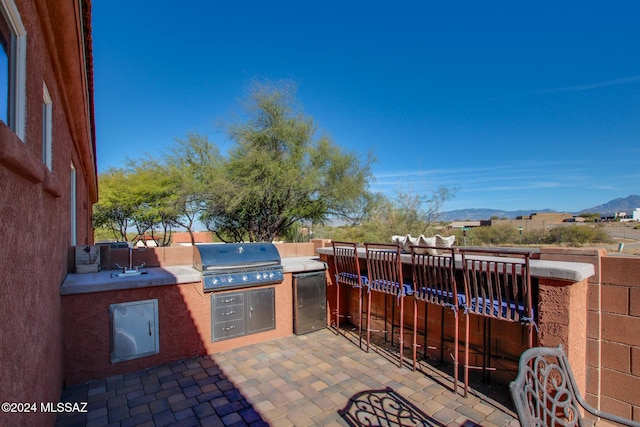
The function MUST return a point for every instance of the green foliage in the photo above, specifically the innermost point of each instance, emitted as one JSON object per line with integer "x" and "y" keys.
{"x": 115, "y": 207}
{"x": 534, "y": 237}
{"x": 279, "y": 173}
{"x": 578, "y": 235}
{"x": 496, "y": 235}
{"x": 366, "y": 232}
{"x": 591, "y": 217}
{"x": 505, "y": 235}
{"x": 191, "y": 167}
{"x": 298, "y": 232}
{"x": 405, "y": 214}
{"x": 134, "y": 197}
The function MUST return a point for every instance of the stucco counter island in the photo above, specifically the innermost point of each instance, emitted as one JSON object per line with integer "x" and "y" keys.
{"x": 184, "y": 315}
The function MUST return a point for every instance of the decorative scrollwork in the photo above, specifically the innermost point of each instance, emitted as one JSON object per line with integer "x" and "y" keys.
{"x": 548, "y": 394}
{"x": 545, "y": 392}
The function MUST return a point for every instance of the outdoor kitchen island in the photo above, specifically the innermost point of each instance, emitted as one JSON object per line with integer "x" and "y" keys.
{"x": 167, "y": 306}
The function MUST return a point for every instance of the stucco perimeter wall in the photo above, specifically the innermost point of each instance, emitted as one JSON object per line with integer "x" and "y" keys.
{"x": 573, "y": 305}
{"x": 620, "y": 336}
{"x": 301, "y": 249}
{"x": 612, "y": 329}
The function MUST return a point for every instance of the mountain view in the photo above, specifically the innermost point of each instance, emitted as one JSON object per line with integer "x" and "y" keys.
{"x": 627, "y": 204}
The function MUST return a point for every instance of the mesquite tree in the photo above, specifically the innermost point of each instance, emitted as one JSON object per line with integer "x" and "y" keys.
{"x": 279, "y": 172}
{"x": 276, "y": 173}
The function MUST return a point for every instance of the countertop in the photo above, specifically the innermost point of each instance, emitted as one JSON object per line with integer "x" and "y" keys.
{"x": 303, "y": 263}
{"x": 561, "y": 270}
{"x": 161, "y": 276}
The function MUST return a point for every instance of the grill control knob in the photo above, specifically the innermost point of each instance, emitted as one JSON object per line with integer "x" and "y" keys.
{"x": 230, "y": 279}
{"x": 245, "y": 277}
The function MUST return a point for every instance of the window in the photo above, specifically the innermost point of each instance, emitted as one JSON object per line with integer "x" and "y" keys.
{"x": 73, "y": 205}
{"x": 13, "y": 38}
{"x": 5, "y": 44}
{"x": 47, "y": 111}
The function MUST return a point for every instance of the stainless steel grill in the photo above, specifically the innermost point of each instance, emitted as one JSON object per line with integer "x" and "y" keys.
{"x": 237, "y": 265}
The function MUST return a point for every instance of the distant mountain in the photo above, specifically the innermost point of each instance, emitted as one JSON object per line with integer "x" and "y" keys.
{"x": 627, "y": 204}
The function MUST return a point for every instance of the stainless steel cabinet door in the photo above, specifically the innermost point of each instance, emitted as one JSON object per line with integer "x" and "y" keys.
{"x": 134, "y": 330}
{"x": 242, "y": 313}
{"x": 261, "y": 314}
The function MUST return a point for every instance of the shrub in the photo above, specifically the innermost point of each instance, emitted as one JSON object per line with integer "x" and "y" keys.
{"x": 497, "y": 235}
{"x": 577, "y": 235}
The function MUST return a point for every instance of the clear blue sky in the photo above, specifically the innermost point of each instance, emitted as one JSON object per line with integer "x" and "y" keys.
{"x": 521, "y": 106}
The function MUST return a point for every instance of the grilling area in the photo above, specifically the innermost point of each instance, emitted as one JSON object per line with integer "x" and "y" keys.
{"x": 237, "y": 265}
{"x": 189, "y": 284}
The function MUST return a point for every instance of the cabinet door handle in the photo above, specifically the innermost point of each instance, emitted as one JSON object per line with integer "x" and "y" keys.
{"x": 228, "y": 313}
{"x": 226, "y": 301}
{"x": 149, "y": 327}
{"x": 229, "y": 328}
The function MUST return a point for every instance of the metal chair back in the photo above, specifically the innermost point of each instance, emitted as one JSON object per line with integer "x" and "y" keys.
{"x": 347, "y": 264}
{"x": 498, "y": 285}
{"x": 434, "y": 282}
{"x": 545, "y": 391}
{"x": 434, "y": 279}
{"x": 384, "y": 268}
{"x": 348, "y": 273}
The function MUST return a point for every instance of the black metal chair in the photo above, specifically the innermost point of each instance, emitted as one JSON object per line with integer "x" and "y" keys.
{"x": 497, "y": 286}
{"x": 545, "y": 392}
{"x": 434, "y": 283}
{"x": 384, "y": 269}
{"x": 348, "y": 273}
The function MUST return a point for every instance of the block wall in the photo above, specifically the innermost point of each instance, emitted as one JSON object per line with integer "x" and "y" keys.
{"x": 620, "y": 337}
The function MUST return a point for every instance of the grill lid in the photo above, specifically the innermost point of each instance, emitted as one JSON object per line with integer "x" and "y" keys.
{"x": 237, "y": 265}
{"x": 214, "y": 257}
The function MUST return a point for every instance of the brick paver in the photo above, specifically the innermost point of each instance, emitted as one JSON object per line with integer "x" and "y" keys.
{"x": 303, "y": 380}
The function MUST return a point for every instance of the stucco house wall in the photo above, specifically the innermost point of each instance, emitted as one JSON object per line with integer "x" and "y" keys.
{"x": 35, "y": 201}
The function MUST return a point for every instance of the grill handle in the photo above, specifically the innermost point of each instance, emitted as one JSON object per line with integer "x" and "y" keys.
{"x": 236, "y": 266}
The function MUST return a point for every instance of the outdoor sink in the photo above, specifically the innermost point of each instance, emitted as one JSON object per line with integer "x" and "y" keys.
{"x": 131, "y": 270}
{"x": 127, "y": 273}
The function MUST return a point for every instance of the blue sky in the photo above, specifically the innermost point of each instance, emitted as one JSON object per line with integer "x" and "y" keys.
{"x": 520, "y": 106}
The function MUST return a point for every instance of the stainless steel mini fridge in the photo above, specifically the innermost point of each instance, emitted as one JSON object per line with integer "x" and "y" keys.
{"x": 309, "y": 302}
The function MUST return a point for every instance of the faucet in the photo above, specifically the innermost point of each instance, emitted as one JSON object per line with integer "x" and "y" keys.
{"x": 131, "y": 266}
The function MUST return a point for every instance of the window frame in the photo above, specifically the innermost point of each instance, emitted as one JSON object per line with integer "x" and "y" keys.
{"x": 6, "y": 53}
{"x": 47, "y": 128}
{"x": 73, "y": 205}
{"x": 17, "y": 59}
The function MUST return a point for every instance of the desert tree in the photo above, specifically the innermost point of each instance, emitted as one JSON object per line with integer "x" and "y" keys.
{"x": 115, "y": 207}
{"x": 279, "y": 171}
{"x": 134, "y": 198}
{"x": 191, "y": 167}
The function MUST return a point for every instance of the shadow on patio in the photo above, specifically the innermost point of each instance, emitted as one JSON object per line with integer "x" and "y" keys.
{"x": 314, "y": 379}
{"x": 384, "y": 407}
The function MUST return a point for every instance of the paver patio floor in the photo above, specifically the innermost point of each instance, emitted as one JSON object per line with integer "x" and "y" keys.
{"x": 317, "y": 379}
